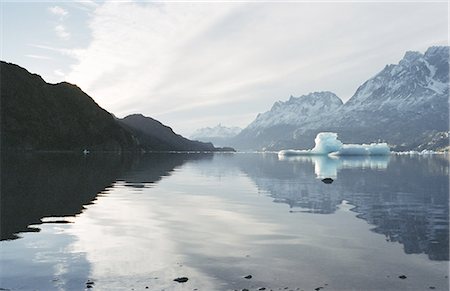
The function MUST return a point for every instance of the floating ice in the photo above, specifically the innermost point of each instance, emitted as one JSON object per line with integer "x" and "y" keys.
{"x": 351, "y": 150}
{"x": 407, "y": 153}
{"x": 328, "y": 143}
{"x": 288, "y": 153}
{"x": 328, "y": 166}
{"x": 373, "y": 149}
{"x": 422, "y": 153}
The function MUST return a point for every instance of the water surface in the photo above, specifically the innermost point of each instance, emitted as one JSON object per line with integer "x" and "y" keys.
{"x": 122, "y": 223}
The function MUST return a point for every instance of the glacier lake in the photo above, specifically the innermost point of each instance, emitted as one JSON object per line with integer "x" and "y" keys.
{"x": 224, "y": 222}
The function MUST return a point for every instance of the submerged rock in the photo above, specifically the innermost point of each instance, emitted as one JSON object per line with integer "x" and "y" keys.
{"x": 181, "y": 279}
{"x": 327, "y": 180}
{"x": 90, "y": 284}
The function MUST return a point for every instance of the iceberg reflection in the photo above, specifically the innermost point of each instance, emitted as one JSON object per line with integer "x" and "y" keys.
{"x": 404, "y": 198}
{"x": 328, "y": 167}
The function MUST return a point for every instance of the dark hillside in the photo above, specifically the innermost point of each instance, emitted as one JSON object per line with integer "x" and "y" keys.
{"x": 152, "y": 135}
{"x": 36, "y": 115}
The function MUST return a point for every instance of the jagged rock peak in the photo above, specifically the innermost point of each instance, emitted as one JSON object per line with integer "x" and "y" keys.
{"x": 437, "y": 50}
{"x": 297, "y": 110}
{"x": 414, "y": 79}
{"x": 311, "y": 98}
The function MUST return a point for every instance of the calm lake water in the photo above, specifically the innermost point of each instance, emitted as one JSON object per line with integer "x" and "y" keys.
{"x": 111, "y": 222}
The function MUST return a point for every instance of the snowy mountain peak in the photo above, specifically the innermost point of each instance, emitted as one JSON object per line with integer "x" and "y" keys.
{"x": 414, "y": 79}
{"x": 405, "y": 104}
{"x": 296, "y": 110}
{"x": 324, "y": 96}
{"x": 411, "y": 56}
{"x": 436, "y": 50}
{"x": 218, "y": 131}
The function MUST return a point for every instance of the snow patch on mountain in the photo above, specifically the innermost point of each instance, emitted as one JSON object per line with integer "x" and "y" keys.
{"x": 405, "y": 104}
{"x": 414, "y": 80}
{"x": 298, "y": 110}
{"x": 218, "y": 131}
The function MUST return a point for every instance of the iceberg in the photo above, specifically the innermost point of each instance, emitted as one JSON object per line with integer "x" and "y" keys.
{"x": 373, "y": 149}
{"x": 422, "y": 153}
{"x": 328, "y": 166}
{"x": 327, "y": 143}
{"x": 289, "y": 153}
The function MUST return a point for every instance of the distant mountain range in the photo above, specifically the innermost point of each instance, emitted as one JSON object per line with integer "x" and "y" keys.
{"x": 36, "y": 115}
{"x": 406, "y": 105}
{"x": 152, "y": 135}
{"x": 218, "y": 135}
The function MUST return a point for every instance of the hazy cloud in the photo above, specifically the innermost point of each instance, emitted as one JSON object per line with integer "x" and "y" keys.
{"x": 60, "y": 28}
{"x": 39, "y": 57}
{"x": 61, "y": 32}
{"x": 73, "y": 53}
{"x": 59, "y": 73}
{"x": 198, "y": 64}
{"x": 58, "y": 11}
{"x": 87, "y": 3}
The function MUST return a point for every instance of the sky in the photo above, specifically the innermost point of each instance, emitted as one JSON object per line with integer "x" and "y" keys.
{"x": 198, "y": 64}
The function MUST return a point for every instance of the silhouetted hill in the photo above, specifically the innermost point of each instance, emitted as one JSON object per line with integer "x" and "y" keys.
{"x": 36, "y": 115}
{"x": 152, "y": 135}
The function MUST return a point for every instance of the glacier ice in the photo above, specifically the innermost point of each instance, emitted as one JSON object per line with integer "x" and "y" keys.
{"x": 373, "y": 149}
{"x": 327, "y": 143}
{"x": 422, "y": 153}
{"x": 328, "y": 166}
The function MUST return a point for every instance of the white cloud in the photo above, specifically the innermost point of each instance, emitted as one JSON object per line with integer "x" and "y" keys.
{"x": 58, "y": 11}
{"x": 87, "y": 3}
{"x": 60, "y": 28}
{"x": 72, "y": 53}
{"x": 39, "y": 57}
{"x": 233, "y": 60}
{"x": 61, "y": 32}
{"x": 58, "y": 73}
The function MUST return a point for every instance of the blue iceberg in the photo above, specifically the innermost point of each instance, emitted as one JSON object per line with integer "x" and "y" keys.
{"x": 327, "y": 143}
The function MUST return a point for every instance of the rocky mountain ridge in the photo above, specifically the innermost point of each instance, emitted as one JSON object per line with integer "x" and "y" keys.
{"x": 405, "y": 105}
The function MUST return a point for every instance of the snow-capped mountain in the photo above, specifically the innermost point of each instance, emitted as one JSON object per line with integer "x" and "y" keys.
{"x": 406, "y": 104}
{"x": 218, "y": 135}
{"x": 276, "y": 129}
{"x": 216, "y": 131}
{"x": 416, "y": 78}
{"x": 298, "y": 110}
{"x": 418, "y": 81}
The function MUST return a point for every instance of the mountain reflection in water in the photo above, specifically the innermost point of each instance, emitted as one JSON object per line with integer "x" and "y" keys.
{"x": 405, "y": 198}
{"x": 128, "y": 222}
{"x": 38, "y": 186}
